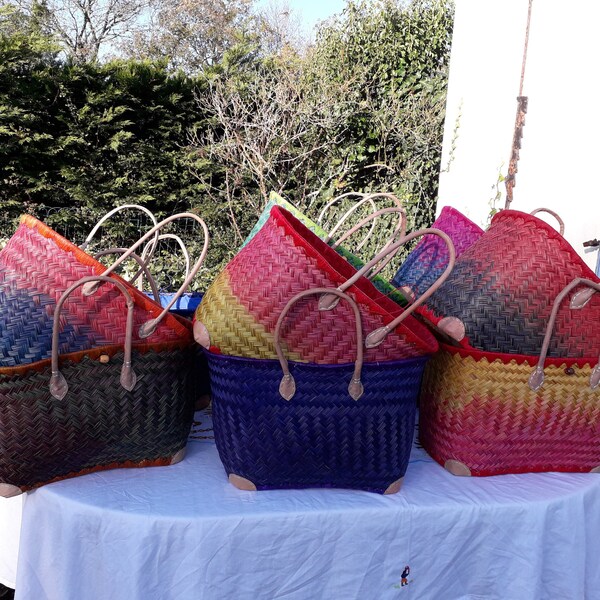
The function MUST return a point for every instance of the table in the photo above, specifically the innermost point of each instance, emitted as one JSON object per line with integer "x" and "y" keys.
{"x": 183, "y": 532}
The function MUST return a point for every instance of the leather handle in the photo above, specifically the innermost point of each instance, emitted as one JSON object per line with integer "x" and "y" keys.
{"x": 536, "y": 380}
{"x": 287, "y": 387}
{"x": 365, "y": 198}
{"x": 58, "y": 383}
{"x": 399, "y": 231}
{"x": 375, "y": 338}
{"x": 148, "y": 328}
{"x": 561, "y": 223}
{"x": 140, "y": 262}
{"x": 150, "y": 247}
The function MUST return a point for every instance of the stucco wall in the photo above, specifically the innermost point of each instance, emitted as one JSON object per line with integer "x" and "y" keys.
{"x": 560, "y": 155}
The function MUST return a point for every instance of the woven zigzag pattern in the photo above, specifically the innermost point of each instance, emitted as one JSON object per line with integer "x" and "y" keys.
{"x": 429, "y": 258}
{"x": 503, "y": 288}
{"x": 35, "y": 270}
{"x": 98, "y": 424}
{"x": 275, "y": 200}
{"x": 321, "y": 437}
{"x": 482, "y": 413}
{"x": 274, "y": 267}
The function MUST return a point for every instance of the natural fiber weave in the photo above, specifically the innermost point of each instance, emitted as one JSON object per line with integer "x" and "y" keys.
{"x": 276, "y": 200}
{"x": 430, "y": 256}
{"x": 503, "y": 287}
{"x": 321, "y": 437}
{"x": 99, "y": 425}
{"x": 477, "y": 409}
{"x": 36, "y": 266}
{"x": 241, "y": 307}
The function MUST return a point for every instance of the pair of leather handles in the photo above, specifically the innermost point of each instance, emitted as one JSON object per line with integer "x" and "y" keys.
{"x": 58, "y": 384}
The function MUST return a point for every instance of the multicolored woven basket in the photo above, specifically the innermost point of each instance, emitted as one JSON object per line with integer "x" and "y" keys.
{"x": 296, "y": 425}
{"x": 484, "y": 413}
{"x": 430, "y": 256}
{"x": 239, "y": 311}
{"x": 99, "y": 424}
{"x": 499, "y": 296}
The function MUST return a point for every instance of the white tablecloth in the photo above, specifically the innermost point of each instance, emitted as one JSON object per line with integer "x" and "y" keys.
{"x": 10, "y": 526}
{"x": 184, "y": 533}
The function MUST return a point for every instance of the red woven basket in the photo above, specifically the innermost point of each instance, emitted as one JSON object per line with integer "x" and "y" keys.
{"x": 239, "y": 311}
{"x": 484, "y": 413}
{"x": 499, "y": 296}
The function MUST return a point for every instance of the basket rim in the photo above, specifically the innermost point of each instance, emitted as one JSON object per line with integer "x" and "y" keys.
{"x": 520, "y": 359}
{"x": 214, "y": 354}
{"x": 366, "y": 292}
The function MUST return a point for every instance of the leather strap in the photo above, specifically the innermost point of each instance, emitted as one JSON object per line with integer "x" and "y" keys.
{"x": 287, "y": 387}
{"x": 58, "y": 384}
{"x": 561, "y": 223}
{"x": 536, "y": 380}
{"x": 148, "y": 328}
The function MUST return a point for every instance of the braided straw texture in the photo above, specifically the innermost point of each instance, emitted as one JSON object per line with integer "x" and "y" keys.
{"x": 98, "y": 425}
{"x": 503, "y": 288}
{"x": 36, "y": 267}
{"x": 321, "y": 437}
{"x": 430, "y": 256}
{"x": 477, "y": 408}
{"x": 241, "y": 307}
{"x": 276, "y": 200}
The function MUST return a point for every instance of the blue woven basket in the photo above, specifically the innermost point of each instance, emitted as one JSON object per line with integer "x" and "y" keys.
{"x": 322, "y": 437}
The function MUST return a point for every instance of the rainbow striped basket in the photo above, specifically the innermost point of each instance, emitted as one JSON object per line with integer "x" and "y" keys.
{"x": 81, "y": 388}
{"x": 486, "y": 413}
{"x": 239, "y": 311}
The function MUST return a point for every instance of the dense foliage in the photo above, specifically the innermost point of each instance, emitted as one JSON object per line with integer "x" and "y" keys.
{"x": 363, "y": 110}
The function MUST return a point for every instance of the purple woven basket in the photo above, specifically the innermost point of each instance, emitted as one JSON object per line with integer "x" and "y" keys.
{"x": 429, "y": 258}
{"x": 322, "y": 437}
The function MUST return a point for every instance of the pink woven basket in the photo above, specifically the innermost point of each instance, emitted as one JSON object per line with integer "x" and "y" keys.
{"x": 239, "y": 311}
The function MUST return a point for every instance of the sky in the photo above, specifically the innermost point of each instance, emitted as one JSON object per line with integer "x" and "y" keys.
{"x": 311, "y": 11}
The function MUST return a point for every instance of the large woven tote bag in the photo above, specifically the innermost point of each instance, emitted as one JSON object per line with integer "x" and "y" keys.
{"x": 484, "y": 413}
{"x": 240, "y": 309}
{"x": 281, "y": 424}
{"x": 98, "y": 424}
{"x": 430, "y": 256}
{"x": 499, "y": 296}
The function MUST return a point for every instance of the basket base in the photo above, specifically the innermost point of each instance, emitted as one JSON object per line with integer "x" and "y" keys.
{"x": 8, "y": 491}
{"x": 178, "y": 456}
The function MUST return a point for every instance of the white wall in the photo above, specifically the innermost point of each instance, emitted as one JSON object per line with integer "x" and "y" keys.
{"x": 560, "y": 155}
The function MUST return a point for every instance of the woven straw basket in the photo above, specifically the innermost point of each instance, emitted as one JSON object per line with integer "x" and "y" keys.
{"x": 484, "y": 413}
{"x": 348, "y": 426}
{"x": 430, "y": 256}
{"x": 95, "y": 414}
{"x": 240, "y": 309}
{"x": 499, "y": 296}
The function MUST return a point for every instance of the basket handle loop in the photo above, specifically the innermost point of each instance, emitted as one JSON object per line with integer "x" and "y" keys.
{"x": 375, "y": 338}
{"x": 140, "y": 261}
{"x": 128, "y": 379}
{"x": 287, "y": 387}
{"x": 151, "y": 246}
{"x": 365, "y": 197}
{"x": 536, "y": 379}
{"x": 399, "y": 231}
{"x": 148, "y": 328}
{"x": 561, "y": 223}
